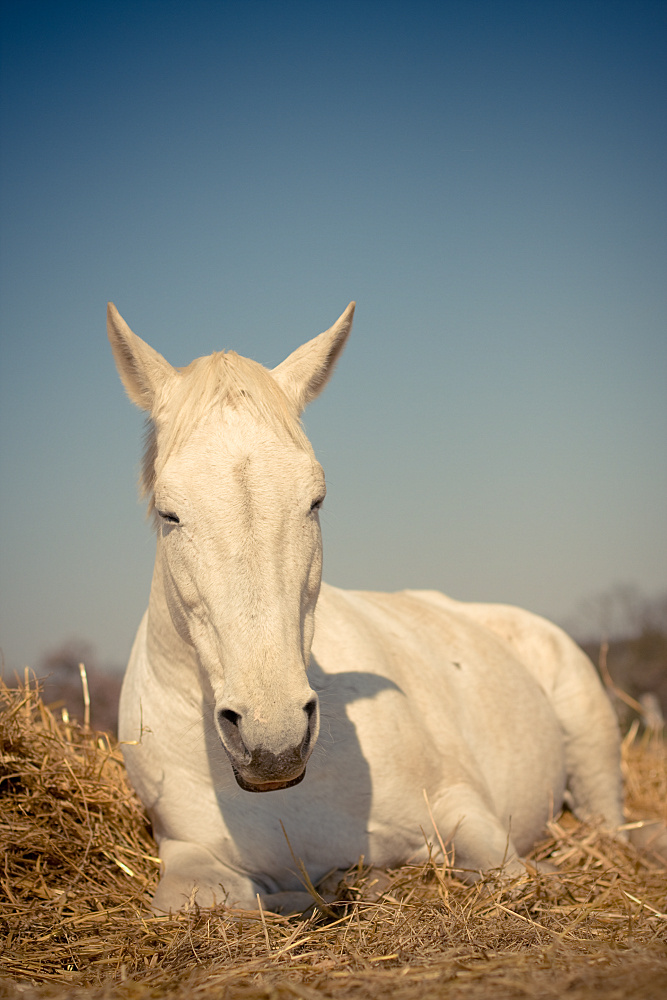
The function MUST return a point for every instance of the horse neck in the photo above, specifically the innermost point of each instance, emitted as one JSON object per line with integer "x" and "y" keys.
{"x": 172, "y": 659}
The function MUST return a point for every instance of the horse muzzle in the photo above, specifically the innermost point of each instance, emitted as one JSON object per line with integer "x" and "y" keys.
{"x": 268, "y": 772}
{"x": 266, "y": 786}
{"x": 256, "y": 767}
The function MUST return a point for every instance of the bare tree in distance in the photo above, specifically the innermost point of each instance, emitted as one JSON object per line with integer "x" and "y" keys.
{"x": 625, "y": 633}
{"x": 621, "y": 612}
{"x": 59, "y": 674}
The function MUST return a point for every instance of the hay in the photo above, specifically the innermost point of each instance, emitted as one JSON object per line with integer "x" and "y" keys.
{"x": 79, "y": 863}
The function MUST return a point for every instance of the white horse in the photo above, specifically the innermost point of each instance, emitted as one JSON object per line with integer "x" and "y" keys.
{"x": 366, "y": 722}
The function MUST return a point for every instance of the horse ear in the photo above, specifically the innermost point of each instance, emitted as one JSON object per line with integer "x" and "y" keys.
{"x": 142, "y": 370}
{"x": 307, "y": 370}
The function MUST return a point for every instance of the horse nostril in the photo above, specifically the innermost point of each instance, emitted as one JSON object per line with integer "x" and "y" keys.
{"x": 233, "y": 718}
{"x": 229, "y": 724}
{"x": 310, "y": 708}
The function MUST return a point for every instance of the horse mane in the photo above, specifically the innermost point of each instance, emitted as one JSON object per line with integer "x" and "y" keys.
{"x": 218, "y": 380}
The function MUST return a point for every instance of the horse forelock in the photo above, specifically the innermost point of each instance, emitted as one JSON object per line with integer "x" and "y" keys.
{"x": 222, "y": 379}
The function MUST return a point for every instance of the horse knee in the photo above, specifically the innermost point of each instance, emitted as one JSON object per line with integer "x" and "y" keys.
{"x": 192, "y": 876}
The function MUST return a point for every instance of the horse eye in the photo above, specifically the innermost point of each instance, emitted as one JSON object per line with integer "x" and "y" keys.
{"x": 169, "y": 518}
{"x": 316, "y": 504}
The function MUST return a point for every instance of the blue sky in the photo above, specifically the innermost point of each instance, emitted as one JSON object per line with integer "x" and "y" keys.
{"x": 486, "y": 179}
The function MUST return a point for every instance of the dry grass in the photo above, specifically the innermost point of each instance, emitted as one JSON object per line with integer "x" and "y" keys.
{"x": 79, "y": 862}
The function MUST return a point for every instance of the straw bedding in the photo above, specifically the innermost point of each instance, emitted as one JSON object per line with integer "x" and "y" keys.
{"x": 79, "y": 862}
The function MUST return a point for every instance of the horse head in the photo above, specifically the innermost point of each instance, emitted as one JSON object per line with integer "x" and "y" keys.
{"x": 235, "y": 491}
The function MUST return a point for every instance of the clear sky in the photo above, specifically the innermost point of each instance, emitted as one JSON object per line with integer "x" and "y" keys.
{"x": 487, "y": 179}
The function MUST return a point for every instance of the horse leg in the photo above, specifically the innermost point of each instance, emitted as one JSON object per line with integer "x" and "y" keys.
{"x": 375, "y": 883}
{"x": 593, "y": 752}
{"x": 480, "y": 842}
{"x": 591, "y": 741}
{"x": 191, "y": 874}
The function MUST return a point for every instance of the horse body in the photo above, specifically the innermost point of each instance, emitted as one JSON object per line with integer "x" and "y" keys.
{"x": 368, "y": 723}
